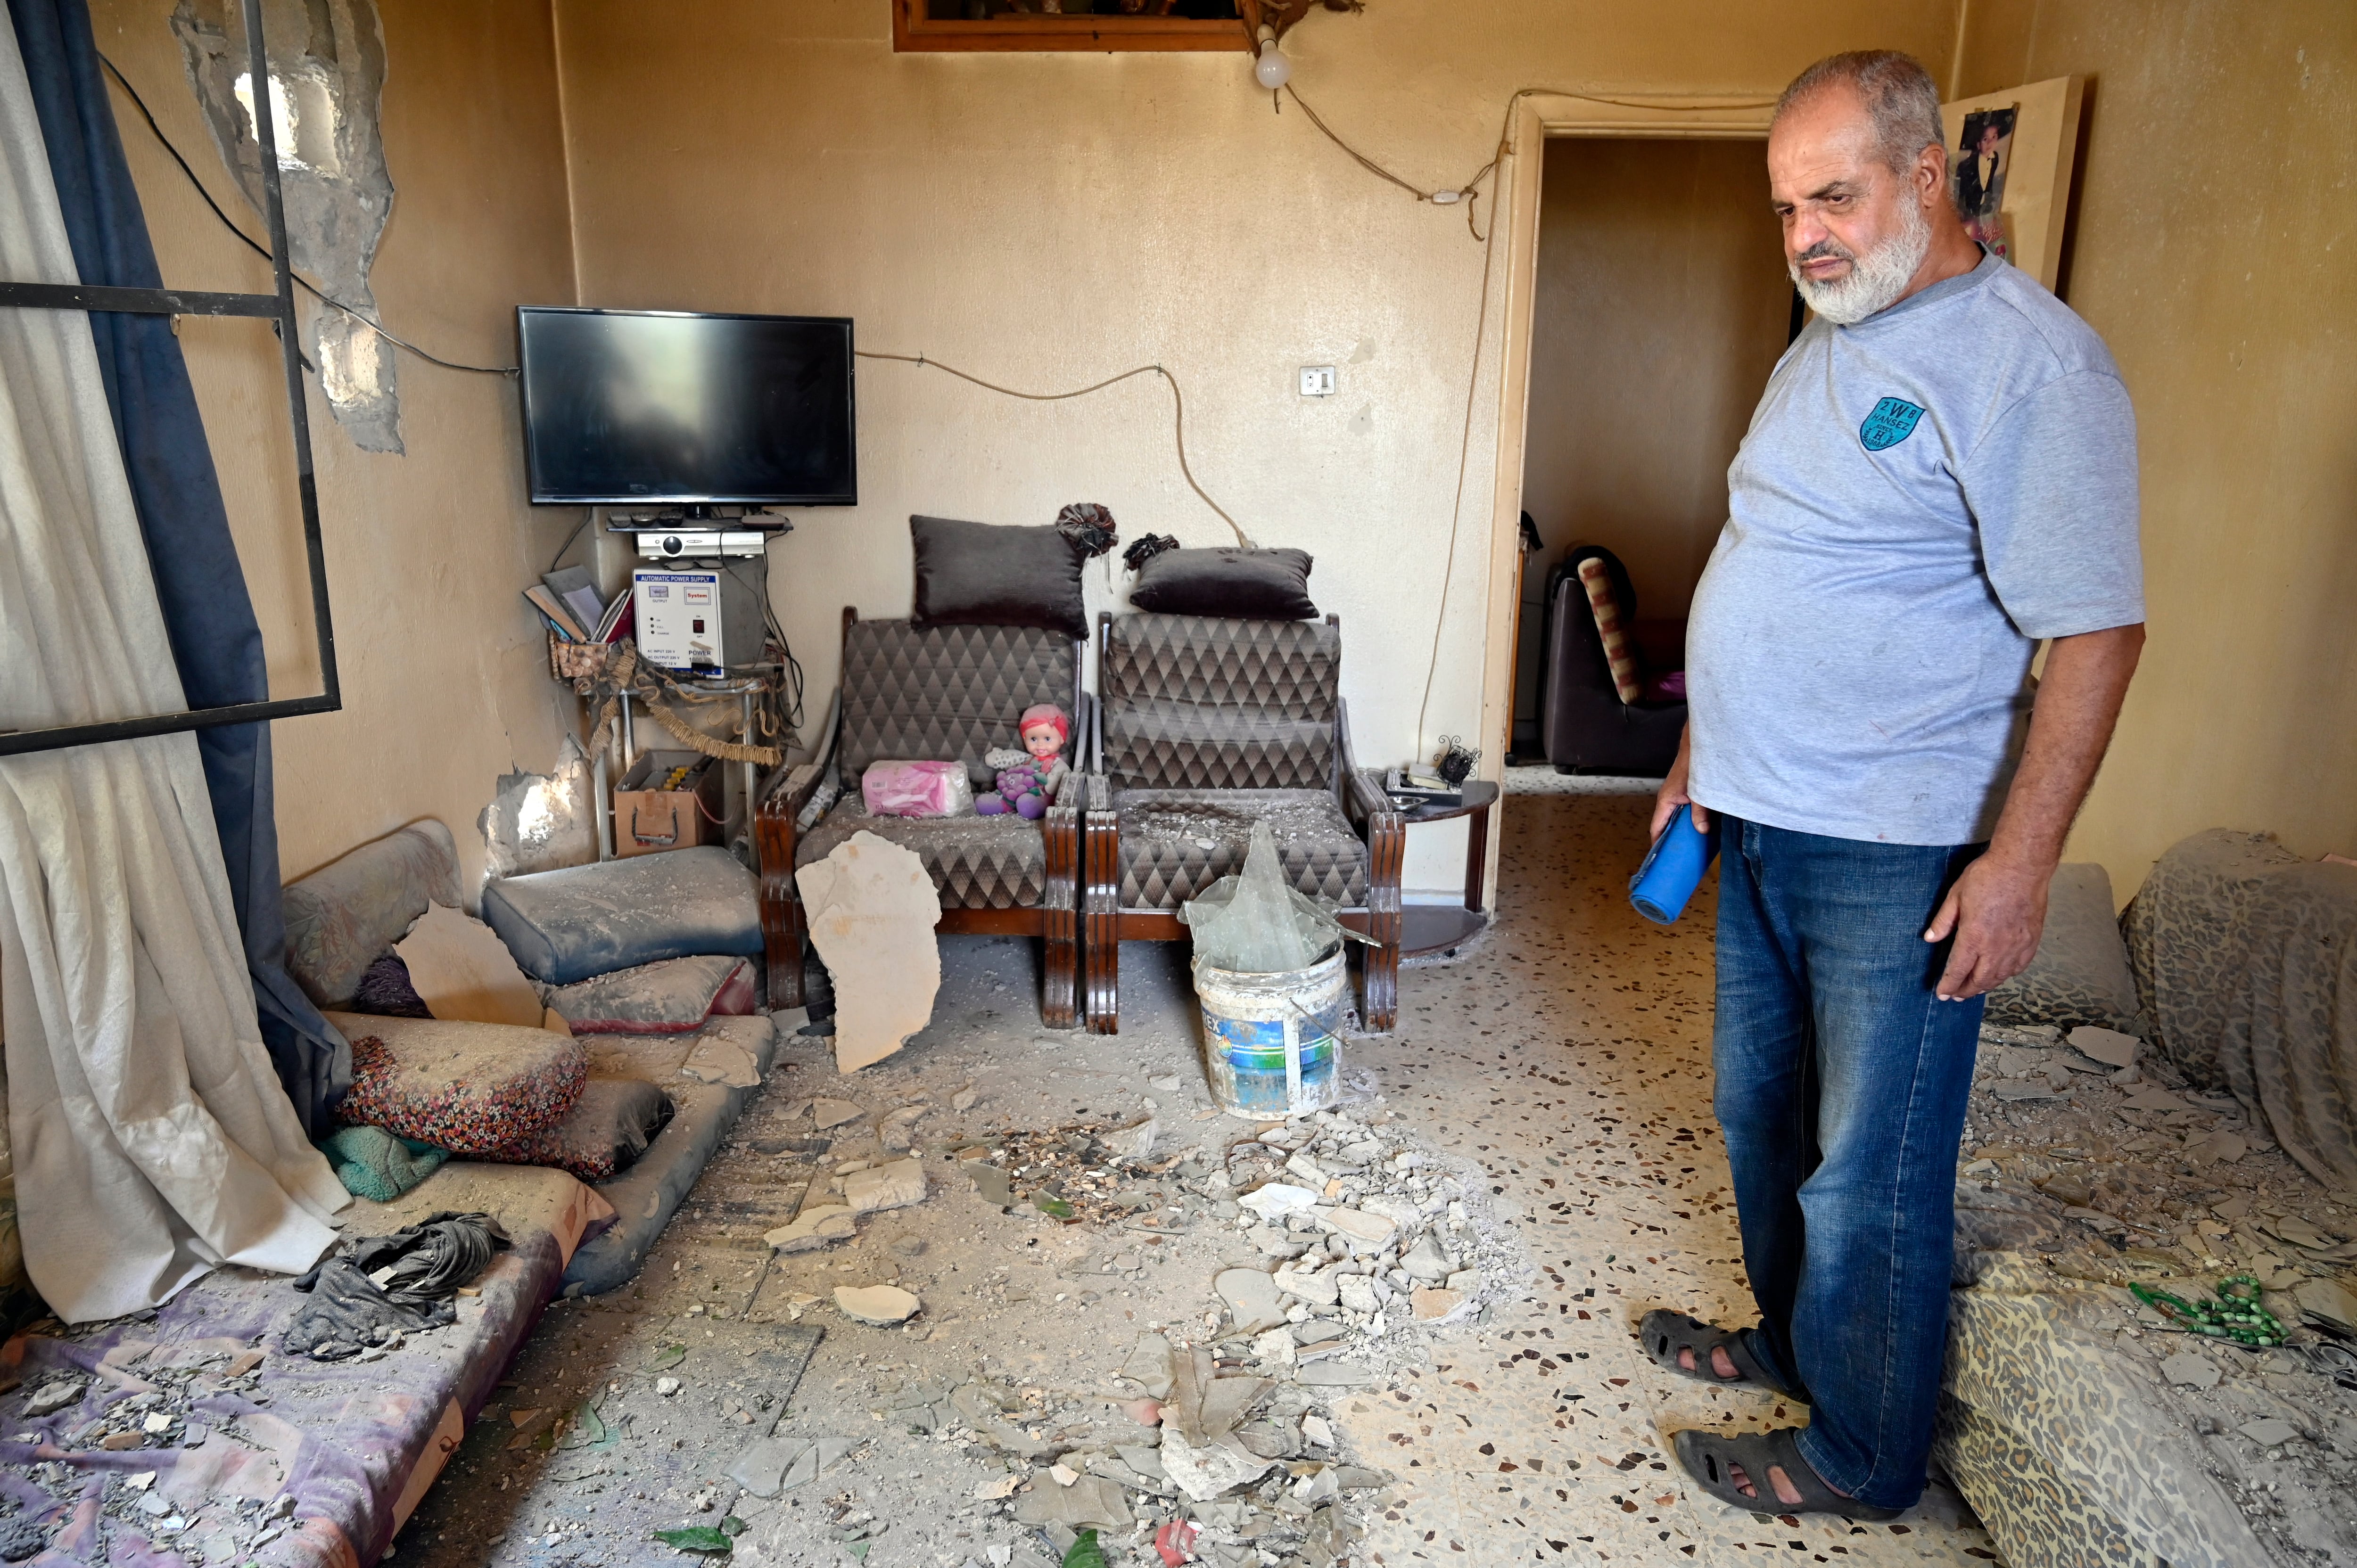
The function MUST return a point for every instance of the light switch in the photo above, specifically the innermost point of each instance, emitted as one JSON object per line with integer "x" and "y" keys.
{"x": 1316, "y": 380}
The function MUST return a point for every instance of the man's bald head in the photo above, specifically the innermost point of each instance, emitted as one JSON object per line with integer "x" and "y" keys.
{"x": 1897, "y": 93}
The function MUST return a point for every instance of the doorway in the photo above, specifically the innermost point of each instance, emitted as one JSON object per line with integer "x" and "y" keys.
{"x": 1660, "y": 304}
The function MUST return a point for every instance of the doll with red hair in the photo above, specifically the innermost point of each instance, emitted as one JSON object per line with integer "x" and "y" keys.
{"x": 1028, "y": 779}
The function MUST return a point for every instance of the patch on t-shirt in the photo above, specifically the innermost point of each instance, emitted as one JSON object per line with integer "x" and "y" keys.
{"x": 1892, "y": 421}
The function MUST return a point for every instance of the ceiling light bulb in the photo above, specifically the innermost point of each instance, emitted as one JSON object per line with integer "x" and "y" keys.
{"x": 1272, "y": 70}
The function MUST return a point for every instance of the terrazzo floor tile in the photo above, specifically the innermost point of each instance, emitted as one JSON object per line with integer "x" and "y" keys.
{"x": 1570, "y": 1054}
{"x": 1566, "y": 1055}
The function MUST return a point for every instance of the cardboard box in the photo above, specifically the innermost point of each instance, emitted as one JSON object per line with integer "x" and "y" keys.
{"x": 648, "y": 818}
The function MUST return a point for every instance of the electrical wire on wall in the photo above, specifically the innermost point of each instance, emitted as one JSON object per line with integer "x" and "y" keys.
{"x": 1178, "y": 408}
{"x": 264, "y": 251}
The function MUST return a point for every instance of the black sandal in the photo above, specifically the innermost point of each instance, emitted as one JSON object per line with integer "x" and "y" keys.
{"x": 1665, "y": 1333}
{"x": 1711, "y": 1458}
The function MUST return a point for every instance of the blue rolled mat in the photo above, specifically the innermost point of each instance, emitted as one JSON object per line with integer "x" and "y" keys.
{"x": 1673, "y": 868}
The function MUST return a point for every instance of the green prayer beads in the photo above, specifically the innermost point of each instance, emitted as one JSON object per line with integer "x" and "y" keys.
{"x": 2236, "y": 1314}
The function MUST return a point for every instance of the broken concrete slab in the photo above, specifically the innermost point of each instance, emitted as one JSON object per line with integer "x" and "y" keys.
{"x": 1127, "y": 1145}
{"x": 1334, "y": 1375}
{"x": 898, "y": 1131}
{"x": 1151, "y": 1365}
{"x": 813, "y": 1229}
{"x": 53, "y": 1396}
{"x": 1357, "y": 1294}
{"x": 871, "y": 910}
{"x": 1275, "y": 1200}
{"x": 826, "y": 1113}
{"x": 2188, "y": 1370}
{"x": 1364, "y": 1232}
{"x": 717, "y": 1060}
{"x": 987, "y": 1420}
{"x": 1088, "y": 1502}
{"x": 964, "y": 1100}
{"x": 1426, "y": 1261}
{"x": 2327, "y": 1302}
{"x": 1430, "y": 1305}
{"x": 1202, "y": 1405}
{"x": 2109, "y": 1046}
{"x": 1316, "y": 1288}
{"x": 1277, "y": 1348}
{"x": 461, "y": 971}
{"x": 1206, "y": 1471}
{"x": 882, "y": 1306}
{"x": 2269, "y": 1431}
{"x": 894, "y": 1185}
{"x": 1252, "y": 1298}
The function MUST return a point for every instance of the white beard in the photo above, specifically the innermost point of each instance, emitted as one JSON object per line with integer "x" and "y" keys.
{"x": 1876, "y": 279}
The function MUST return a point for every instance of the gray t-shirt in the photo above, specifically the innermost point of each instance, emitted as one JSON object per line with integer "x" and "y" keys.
{"x": 1920, "y": 498}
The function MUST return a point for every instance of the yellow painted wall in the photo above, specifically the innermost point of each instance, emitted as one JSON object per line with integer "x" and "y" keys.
{"x": 1662, "y": 304}
{"x": 1047, "y": 220}
{"x": 445, "y": 677}
{"x": 2215, "y": 249}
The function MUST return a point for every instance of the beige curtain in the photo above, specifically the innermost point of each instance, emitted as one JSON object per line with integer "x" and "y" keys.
{"x": 150, "y": 1137}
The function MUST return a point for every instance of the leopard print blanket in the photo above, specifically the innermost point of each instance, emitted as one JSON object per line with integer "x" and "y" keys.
{"x": 2245, "y": 959}
{"x": 2069, "y": 1441}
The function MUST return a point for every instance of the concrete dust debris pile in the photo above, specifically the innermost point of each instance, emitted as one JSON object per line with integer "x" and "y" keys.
{"x": 871, "y": 909}
{"x": 1094, "y": 1176}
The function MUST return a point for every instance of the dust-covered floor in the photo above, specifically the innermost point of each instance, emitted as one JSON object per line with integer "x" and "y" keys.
{"x": 1565, "y": 1058}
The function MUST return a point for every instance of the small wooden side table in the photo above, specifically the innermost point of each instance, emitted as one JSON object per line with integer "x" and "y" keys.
{"x": 1437, "y": 928}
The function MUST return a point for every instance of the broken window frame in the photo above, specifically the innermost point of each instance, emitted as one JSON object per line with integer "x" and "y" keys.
{"x": 278, "y": 308}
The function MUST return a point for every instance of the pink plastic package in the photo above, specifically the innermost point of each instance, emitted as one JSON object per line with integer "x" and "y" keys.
{"x": 916, "y": 789}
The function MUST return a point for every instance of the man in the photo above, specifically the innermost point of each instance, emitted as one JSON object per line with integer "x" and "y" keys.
{"x": 1941, "y": 474}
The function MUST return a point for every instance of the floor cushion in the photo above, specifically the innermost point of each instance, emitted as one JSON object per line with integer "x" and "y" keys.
{"x": 675, "y": 996}
{"x": 1176, "y": 842}
{"x": 472, "y": 1088}
{"x": 342, "y": 918}
{"x": 2081, "y": 973}
{"x": 2185, "y": 942}
{"x": 976, "y": 862}
{"x": 605, "y": 1132}
{"x": 587, "y": 920}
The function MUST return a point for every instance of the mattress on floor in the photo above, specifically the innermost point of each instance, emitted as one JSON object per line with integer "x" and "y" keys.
{"x": 645, "y": 1196}
{"x": 354, "y": 1444}
{"x": 2078, "y": 1450}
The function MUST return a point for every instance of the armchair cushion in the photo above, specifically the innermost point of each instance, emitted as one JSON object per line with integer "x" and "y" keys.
{"x": 944, "y": 692}
{"x": 976, "y": 862}
{"x": 1176, "y": 842}
{"x": 1190, "y": 701}
{"x": 1253, "y": 585}
{"x": 993, "y": 574}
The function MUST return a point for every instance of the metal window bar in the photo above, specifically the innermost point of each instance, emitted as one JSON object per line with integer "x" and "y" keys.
{"x": 278, "y": 308}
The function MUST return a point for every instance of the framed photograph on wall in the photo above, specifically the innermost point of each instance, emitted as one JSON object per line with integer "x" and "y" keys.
{"x": 2011, "y": 155}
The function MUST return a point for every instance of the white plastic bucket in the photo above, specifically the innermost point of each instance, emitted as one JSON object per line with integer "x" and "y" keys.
{"x": 1273, "y": 1043}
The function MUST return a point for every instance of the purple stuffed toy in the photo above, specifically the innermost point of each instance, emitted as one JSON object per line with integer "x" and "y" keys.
{"x": 1029, "y": 779}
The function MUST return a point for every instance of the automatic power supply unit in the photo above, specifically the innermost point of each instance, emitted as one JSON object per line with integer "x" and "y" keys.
{"x": 695, "y": 618}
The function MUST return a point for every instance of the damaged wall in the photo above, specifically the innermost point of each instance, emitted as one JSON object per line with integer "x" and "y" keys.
{"x": 1047, "y": 219}
{"x": 327, "y": 69}
{"x": 2212, "y": 250}
{"x": 444, "y": 672}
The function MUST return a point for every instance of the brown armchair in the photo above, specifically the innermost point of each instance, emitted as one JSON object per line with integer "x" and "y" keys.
{"x": 1204, "y": 725}
{"x": 939, "y": 693}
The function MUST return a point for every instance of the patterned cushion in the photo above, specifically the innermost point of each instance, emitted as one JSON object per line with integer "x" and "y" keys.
{"x": 1627, "y": 676}
{"x": 1194, "y": 703}
{"x": 1176, "y": 843}
{"x": 977, "y": 863}
{"x": 472, "y": 1088}
{"x": 945, "y": 692}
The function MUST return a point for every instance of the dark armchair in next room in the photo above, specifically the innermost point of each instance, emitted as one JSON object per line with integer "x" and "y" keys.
{"x": 1614, "y": 698}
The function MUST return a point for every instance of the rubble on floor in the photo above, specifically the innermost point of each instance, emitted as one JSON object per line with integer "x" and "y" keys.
{"x": 2110, "y": 1176}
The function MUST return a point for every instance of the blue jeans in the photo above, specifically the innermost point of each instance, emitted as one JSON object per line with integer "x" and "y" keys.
{"x": 1841, "y": 1085}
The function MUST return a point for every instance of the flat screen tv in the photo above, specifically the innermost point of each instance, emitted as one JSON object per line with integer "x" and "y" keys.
{"x": 657, "y": 407}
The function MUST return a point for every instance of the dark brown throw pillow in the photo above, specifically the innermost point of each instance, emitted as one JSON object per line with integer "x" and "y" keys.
{"x": 984, "y": 574}
{"x": 1238, "y": 583}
